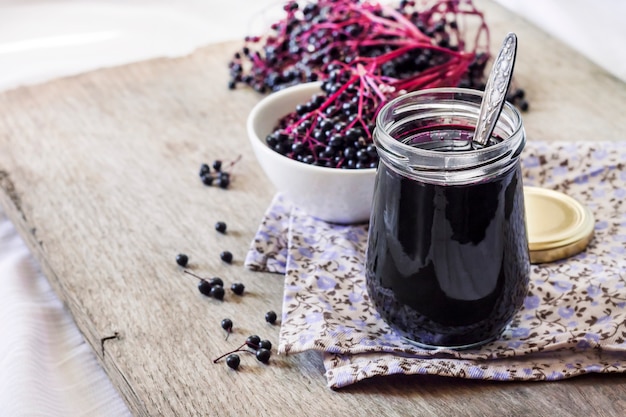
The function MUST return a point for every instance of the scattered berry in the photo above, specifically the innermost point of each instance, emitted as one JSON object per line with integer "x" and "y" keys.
{"x": 226, "y": 256}
{"x": 204, "y": 170}
{"x": 213, "y": 287}
{"x": 517, "y": 97}
{"x": 227, "y": 324}
{"x": 260, "y": 348}
{"x": 253, "y": 341}
{"x": 271, "y": 317}
{"x": 237, "y": 288}
{"x": 223, "y": 182}
{"x": 217, "y": 292}
{"x": 220, "y": 227}
{"x": 523, "y": 105}
{"x": 207, "y": 179}
{"x": 233, "y": 361}
{"x": 205, "y": 287}
{"x": 265, "y": 344}
{"x": 263, "y": 355}
{"x": 182, "y": 259}
{"x": 219, "y": 176}
{"x": 216, "y": 281}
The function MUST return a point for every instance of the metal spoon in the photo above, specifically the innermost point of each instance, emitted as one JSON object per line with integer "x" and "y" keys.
{"x": 495, "y": 91}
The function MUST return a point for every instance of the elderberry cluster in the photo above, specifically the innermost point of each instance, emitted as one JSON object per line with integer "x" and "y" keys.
{"x": 217, "y": 177}
{"x": 261, "y": 348}
{"x": 330, "y": 133}
{"x": 307, "y": 40}
{"x": 213, "y": 287}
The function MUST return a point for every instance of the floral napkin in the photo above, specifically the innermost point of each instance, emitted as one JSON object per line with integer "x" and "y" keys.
{"x": 572, "y": 321}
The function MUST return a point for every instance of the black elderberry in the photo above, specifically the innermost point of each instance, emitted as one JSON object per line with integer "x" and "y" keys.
{"x": 298, "y": 148}
{"x": 253, "y": 341}
{"x": 216, "y": 281}
{"x": 226, "y": 256}
{"x": 349, "y": 152}
{"x": 220, "y": 227}
{"x": 302, "y": 109}
{"x": 207, "y": 179}
{"x": 205, "y": 287}
{"x": 523, "y": 105}
{"x": 271, "y": 317}
{"x": 223, "y": 182}
{"x": 263, "y": 355}
{"x": 233, "y": 361}
{"x": 265, "y": 344}
{"x": 237, "y": 288}
{"x": 362, "y": 155}
{"x": 217, "y": 292}
{"x": 208, "y": 287}
{"x": 217, "y": 165}
{"x": 204, "y": 169}
{"x": 227, "y": 324}
{"x": 182, "y": 259}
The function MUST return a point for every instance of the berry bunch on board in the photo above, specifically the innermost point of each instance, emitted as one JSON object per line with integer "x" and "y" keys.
{"x": 260, "y": 348}
{"x": 364, "y": 54}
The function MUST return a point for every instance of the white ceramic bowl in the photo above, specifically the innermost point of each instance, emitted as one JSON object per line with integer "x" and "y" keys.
{"x": 331, "y": 194}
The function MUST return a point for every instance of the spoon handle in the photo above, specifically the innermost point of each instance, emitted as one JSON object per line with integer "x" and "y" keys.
{"x": 495, "y": 91}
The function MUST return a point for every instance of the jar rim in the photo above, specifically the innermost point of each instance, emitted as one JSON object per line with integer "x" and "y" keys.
{"x": 442, "y": 106}
{"x": 510, "y": 110}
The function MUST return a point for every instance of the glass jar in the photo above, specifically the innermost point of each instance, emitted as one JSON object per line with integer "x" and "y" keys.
{"x": 447, "y": 257}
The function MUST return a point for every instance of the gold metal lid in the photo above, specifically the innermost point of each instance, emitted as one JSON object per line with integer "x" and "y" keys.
{"x": 558, "y": 225}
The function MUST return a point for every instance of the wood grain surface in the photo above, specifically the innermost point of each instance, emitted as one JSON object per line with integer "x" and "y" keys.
{"x": 99, "y": 174}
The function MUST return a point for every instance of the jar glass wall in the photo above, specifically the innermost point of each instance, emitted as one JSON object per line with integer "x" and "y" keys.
{"x": 447, "y": 258}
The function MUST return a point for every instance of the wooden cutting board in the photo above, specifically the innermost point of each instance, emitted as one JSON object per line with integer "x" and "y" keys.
{"x": 99, "y": 174}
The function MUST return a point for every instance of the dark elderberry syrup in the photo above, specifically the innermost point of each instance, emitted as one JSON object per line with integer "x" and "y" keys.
{"x": 447, "y": 258}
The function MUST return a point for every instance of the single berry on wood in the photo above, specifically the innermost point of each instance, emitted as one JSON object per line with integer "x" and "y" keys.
{"x": 205, "y": 287}
{"x": 263, "y": 355}
{"x": 233, "y": 361}
{"x": 220, "y": 227}
{"x": 207, "y": 179}
{"x": 226, "y": 256}
{"x": 227, "y": 324}
{"x": 265, "y": 344}
{"x": 217, "y": 292}
{"x": 253, "y": 341}
{"x": 237, "y": 288}
{"x": 182, "y": 259}
{"x": 217, "y": 165}
{"x": 271, "y": 317}
{"x": 204, "y": 170}
{"x": 216, "y": 281}
{"x": 223, "y": 182}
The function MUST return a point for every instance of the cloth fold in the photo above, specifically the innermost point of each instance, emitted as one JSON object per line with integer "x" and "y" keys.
{"x": 572, "y": 321}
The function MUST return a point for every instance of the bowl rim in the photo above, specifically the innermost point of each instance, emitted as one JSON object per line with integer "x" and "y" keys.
{"x": 254, "y": 136}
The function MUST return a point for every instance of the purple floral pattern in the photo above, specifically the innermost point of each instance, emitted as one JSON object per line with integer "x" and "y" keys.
{"x": 573, "y": 318}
